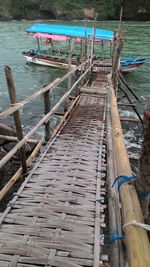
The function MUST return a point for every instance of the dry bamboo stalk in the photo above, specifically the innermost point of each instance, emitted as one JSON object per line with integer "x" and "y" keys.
{"x": 117, "y": 254}
{"x": 15, "y": 139}
{"x": 41, "y": 122}
{"x": 16, "y": 115}
{"x": 118, "y": 45}
{"x": 16, "y": 176}
{"x": 8, "y": 129}
{"x": 93, "y": 38}
{"x": 50, "y": 86}
{"x": 137, "y": 243}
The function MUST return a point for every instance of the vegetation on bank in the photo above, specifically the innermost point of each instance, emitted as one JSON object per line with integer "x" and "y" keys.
{"x": 79, "y": 9}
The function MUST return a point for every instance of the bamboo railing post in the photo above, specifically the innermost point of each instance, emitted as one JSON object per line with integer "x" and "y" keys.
{"x": 70, "y": 77}
{"x": 117, "y": 48}
{"x": 93, "y": 38}
{"x": 136, "y": 238}
{"x": 16, "y": 115}
{"x": 47, "y": 104}
{"x": 69, "y": 63}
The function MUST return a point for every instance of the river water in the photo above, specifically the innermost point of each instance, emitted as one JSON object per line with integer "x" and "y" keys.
{"x": 29, "y": 78}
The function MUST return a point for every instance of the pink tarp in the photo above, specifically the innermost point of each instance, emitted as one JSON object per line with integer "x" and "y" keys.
{"x": 61, "y": 38}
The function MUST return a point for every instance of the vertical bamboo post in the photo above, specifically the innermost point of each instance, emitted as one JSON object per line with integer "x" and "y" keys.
{"x": 69, "y": 64}
{"x": 16, "y": 115}
{"x": 93, "y": 39}
{"x": 117, "y": 48}
{"x": 69, "y": 78}
{"x": 118, "y": 44}
{"x": 47, "y": 105}
{"x": 85, "y": 40}
{"x": 143, "y": 181}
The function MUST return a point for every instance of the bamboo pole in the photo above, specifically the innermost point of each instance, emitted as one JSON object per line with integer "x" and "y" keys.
{"x": 117, "y": 48}
{"x": 47, "y": 105}
{"x": 7, "y": 129}
{"x": 42, "y": 121}
{"x": 16, "y": 115}
{"x": 85, "y": 38}
{"x": 117, "y": 254}
{"x": 137, "y": 243}
{"x": 69, "y": 64}
{"x": 16, "y": 176}
{"x": 69, "y": 82}
{"x": 15, "y": 139}
{"x": 93, "y": 39}
{"x": 50, "y": 86}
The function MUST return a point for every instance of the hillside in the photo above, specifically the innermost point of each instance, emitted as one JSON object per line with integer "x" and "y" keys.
{"x": 79, "y": 9}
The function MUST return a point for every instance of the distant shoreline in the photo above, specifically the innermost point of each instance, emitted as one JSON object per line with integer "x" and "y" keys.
{"x": 67, "y": 20}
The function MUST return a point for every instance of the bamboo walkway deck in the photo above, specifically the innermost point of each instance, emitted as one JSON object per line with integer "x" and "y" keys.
{"x": 58, "y": 214}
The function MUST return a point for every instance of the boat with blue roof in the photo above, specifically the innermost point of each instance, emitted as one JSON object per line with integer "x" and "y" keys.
{"x": 80, "y": 40}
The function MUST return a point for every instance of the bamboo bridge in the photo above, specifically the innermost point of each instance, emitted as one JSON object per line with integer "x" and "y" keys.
{"x": 66, "y": 209}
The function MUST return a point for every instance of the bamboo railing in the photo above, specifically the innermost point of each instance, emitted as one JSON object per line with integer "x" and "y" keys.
{"x": 22, "y": 140}
{"x": 136, "y": 238}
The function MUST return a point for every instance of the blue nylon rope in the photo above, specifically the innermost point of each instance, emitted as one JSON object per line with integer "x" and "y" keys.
{"x": 124, "y": 179}
{"x": 113, "y": 238}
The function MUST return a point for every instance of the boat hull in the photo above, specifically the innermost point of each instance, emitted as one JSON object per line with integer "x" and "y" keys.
{"x": 47, "y": 62}
{"x": 63, "y": 64}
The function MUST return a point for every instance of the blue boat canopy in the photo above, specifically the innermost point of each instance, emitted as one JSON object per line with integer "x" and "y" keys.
{"x": 71, "y": 31}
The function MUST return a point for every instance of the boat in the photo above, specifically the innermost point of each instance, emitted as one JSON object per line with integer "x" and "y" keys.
{"x": 129, "y": 64}
{"x": 81, "y": 36}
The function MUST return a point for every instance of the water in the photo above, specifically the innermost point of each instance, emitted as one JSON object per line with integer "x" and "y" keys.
{"x": 29, "y": 78}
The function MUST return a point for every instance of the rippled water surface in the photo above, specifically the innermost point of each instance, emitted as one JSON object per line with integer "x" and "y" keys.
{"x": 29, "y": 78}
